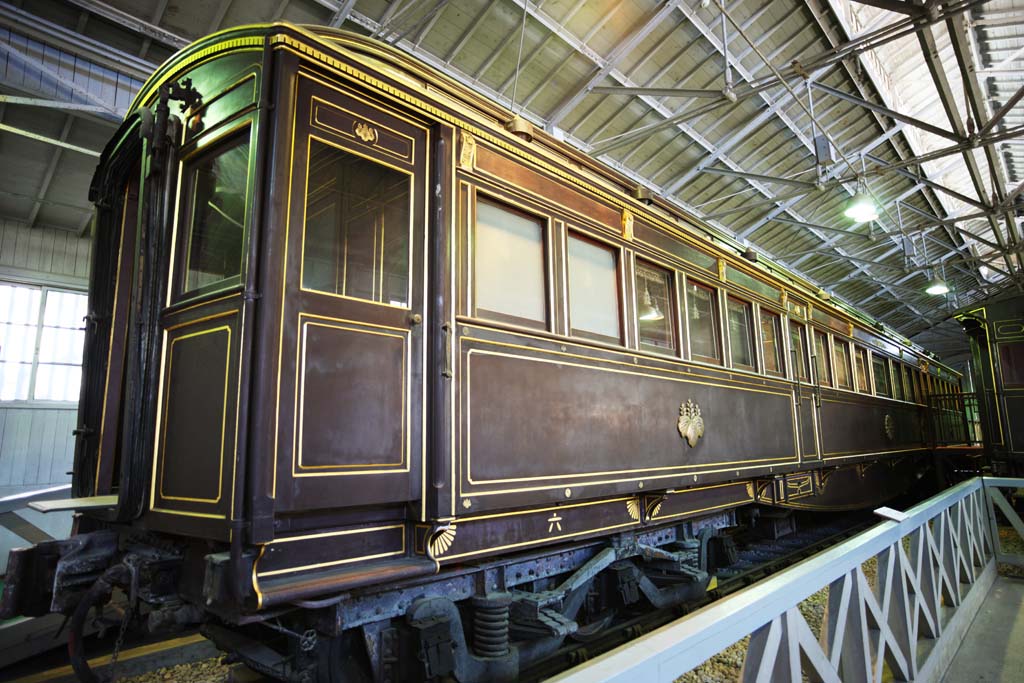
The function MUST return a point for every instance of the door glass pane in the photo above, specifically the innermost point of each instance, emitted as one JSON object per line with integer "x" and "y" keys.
{"x": 216, "y": 184}
{"x": 842, "y": 356}
{"x": 881, "y": 367}
{"x": 741, "y": 350}
{"x": 358, "y": 219}
{"x": 822, "y": 359}
{"x": 654, "y": 308}
{"x": 798, "y": 347}
{"x": 862, "y": 370}
{"x": 772, "y": 344}
{"x": 593, "y": 289}
{"x": 702, "y": 312}
{"x": 508, "y": 265}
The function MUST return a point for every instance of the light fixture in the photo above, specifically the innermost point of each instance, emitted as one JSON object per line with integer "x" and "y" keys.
{"x": 649, "y": 308}
{"x": 861, "y": 208}
{"x": 937, "y": 286}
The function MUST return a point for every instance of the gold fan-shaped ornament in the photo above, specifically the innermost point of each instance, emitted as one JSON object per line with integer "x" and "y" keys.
{"x": 690, "y": 424}
{"x": 633, "y": 508}
{"x": 440, "y": 541}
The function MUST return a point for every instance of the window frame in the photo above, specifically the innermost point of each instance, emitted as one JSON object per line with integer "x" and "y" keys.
{"x": 37, "y": 340}
{"x": 545, "y": 223}
{"x": 573, "y": 232}
{"x": 779, "y": 341}
{"x": 885, "y": 363}
{"x": 859, "y": 352}
{"x": 673, "y": 305}
{"x": 845, "y": 348}
{"x": 207, "y": 146}
{"x": 715, "y": 321}
{"x": 751, "y": 335}
{"x": 829, "y": 381}
{"x": 796, "y": 365}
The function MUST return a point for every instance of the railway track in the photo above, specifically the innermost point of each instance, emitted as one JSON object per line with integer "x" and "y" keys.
{"x": 757, "y": 558}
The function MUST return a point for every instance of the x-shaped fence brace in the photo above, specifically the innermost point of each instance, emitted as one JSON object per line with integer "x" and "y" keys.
{"x": 934, "y": 568}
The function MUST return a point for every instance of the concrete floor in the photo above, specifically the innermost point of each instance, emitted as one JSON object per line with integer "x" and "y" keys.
{"x": 993, "y": 650}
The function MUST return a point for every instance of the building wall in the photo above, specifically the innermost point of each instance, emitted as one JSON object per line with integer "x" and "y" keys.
{"x": 36, "y": 445}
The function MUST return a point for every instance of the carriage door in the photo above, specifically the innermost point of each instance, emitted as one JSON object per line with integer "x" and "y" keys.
{"x": 806, "y": 391}
{"x": 352, "y": 344}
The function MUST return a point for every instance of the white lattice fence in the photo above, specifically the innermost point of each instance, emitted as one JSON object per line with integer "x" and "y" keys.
{"x": 934, "y": 565}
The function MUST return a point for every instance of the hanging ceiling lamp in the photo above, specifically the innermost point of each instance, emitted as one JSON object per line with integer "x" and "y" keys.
{"x": 937, "y": 286}
{"x": 861, "y": 207}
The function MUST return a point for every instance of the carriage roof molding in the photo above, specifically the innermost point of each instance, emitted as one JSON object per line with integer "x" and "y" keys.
{"x": 321, "y": 41}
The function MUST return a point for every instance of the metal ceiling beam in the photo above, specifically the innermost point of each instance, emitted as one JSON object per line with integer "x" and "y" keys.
{"x": 51, "y": 169}
{"x": 825, "y": 228}
{"x": 893, "y": 6}
{"x": 53, "y": 104}
{"x": 129, "y": 21}
{"x": 763, "y": 178}
{"x": 341, "y": 14}
{"x": 1002, "y": 111}
{"x": 930, "y": 183}
{"x": 44, "y": 69}
{"x": 622, "y": 48}
{"x": 49, "y": 140}
{"x": 656, "y": 92}
{"x": 885, "y": 111}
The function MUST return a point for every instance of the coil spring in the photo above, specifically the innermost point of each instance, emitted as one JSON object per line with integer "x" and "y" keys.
{"x": 490, "y": 627}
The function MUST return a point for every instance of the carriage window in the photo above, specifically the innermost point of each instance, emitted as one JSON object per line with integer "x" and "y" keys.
{"x": 842, "y": 356}
{"x": 357, "y": 227}
{"x": 771, "y": 342}
{"x": 216, "y": 186}
{"x": 897, "y": 382}
{"x": 821, "y": 361}
{"x": 881, "y": 368}
{"x": 654, "y": 308}
{"x": 908, "y": 383}
{"x": 593, "y": 290}
{"x": 508, "y": 265}
{"x": 863, "y": 384}
{"x": 798, "y": 349}
{"x": 741, "y": 350}
{"x": 702, "y": 312}
{"x": 1011, "y": 362}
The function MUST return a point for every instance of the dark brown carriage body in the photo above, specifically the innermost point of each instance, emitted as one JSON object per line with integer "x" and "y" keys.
{"x": 326, "y": 442}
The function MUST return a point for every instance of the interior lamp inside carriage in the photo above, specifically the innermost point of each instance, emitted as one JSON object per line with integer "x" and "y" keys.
{"x": 649, "y": 308}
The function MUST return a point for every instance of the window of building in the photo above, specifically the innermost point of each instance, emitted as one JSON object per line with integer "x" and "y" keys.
{"x": 41, "y": 336}
{"x": 508, "y": 265}
{"x": 822, "y": 360}
{"x": 881, "y": 367}
{"x": 1011, "y": 362}
{"x": 593, "y": 290}
{"x": 702, "y": 314}
{"x": 798, "y": 349}
{"x": 863, "y": 383}
{"x": 358, "y": 215}
{"x": 741, "y": 333}
{"x": 841, "y": 352}
{"x": 654, "y": 308}
{"x": 216, "y": 184}
{"x": 771, "y": 342}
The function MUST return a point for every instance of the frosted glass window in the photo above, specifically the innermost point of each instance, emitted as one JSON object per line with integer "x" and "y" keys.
{"x": 702, "y": 314}
{"x": 358, "y": 215}
{"x": 771, "y": 342}
{"x": 741, "y": 348}
{"x": 40, "y": 330}
{"x": 508, "y": 265}
{"x": 593, "y": 290}
{"x": 654, "y": 308}
{"x": 822, "y": 361}
{"x": 842, "y": 356}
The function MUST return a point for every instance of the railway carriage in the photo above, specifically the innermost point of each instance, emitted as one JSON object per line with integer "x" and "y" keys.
{"x": 377, "y": 373}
